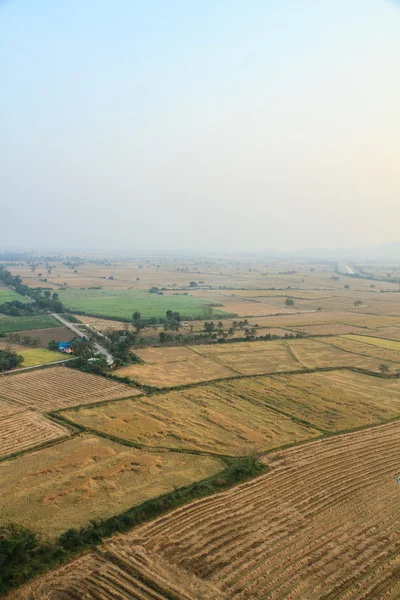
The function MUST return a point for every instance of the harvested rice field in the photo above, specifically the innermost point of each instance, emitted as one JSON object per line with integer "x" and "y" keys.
{"x": 322, "y": 523}
{"x": 86, "y": 478}
{"x": 357, "y": 345}
{"x": 60, "y": 387}
{"x": 170, "y": 373}
{"x": 21, "y": 429}
{"x": 209, "y": 418}
{"x": 253, "y": 358}
{"x": 387, "y": 344}
{"x": 315, "y": 354}
{"x": 332, "y": 401}
{"x": 332, "y": 329}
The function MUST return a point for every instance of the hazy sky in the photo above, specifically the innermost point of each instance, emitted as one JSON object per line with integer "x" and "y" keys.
{"x": 178, "y": 124}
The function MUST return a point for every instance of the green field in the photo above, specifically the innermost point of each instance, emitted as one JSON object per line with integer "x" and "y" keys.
{"x": 122, "y": 303}
{"x": 11, "y": 324}
{"x": 7, "y": 295}
{"x": 39, "y": 356}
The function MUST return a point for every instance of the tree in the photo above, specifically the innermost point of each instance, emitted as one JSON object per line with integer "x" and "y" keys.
{"x": 250, "y": 334}
{"x": 193, "y": 284}
{"x": 16, "y": 544}
{"x": 357, "y": 303}
{"x": 52, "y": 345}
{"x": 154, "y": 290}
{"x": 289, "y": 301}
{"x": 83, "y": 348}
{"x": 9, "y": 360}
{"x": 137, "y": 321}
{"x": 383, "y": 368}
{"x": 209, "y": 327}
{"x": 346, "y": 287}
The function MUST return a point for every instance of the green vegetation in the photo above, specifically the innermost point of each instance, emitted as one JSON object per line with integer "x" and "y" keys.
{"x": 9, "y": 360}
{"x": 7, "y": 295}
{"x": 11, "y": 324}
{"x": 23, "y": 555}
{"x": 39, "y": 356}
{"x": 120, "y": 304}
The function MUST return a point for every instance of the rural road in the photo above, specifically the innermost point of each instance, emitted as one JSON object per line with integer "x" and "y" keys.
{"x": 56, "y": 362}
{"x": 79, "y": 333}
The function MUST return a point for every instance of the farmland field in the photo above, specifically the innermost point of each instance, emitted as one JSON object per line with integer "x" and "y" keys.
{"x": 44, "y": 336}
{"x": 21, "y": 429}
{"x": 123, "y": 303}
{"x": 7, "y": 295}
{"x": 39, "y": 356}
{"x": 60, "y": 387}
{"x": 315, "y": 354}
{"x": 331, "y": 401}
{"x": 10, "y": 324}
{"x": 380, "y": 353}
{"x": 88, "y": 477}
{"x": 210, "y": 418}
{"x": 387, "y": 344}
{"x": 174, "y": 366}
{"x": 323, "y": 523}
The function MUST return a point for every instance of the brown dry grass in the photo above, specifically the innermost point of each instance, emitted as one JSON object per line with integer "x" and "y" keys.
{"x": 56, "y": 334}
{"x": 60, "y": 387}
{"x": 332, "y": 329}
{"x": 359, "y": 347}
{"x": 315, "y": 354}
{"x": 211, "y": 419}
{"x": 90, "y": 478}
{"x": 333, "y": 401}
{"x": 252, "y": 358}
{"x": 21, "y": 429}
{"x": 323, "y": 523}
{"x": 179, "y": 372}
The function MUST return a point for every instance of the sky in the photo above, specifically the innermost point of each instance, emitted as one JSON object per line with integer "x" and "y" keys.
{"x": 240, "y": 125}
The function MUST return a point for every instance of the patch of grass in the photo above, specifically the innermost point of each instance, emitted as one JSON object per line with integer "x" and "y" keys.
{"x": 7, "y": 295}
{"x": 39, "y": 356}
{"x": 11, "y": 324}
{"x": 122, "y": 303}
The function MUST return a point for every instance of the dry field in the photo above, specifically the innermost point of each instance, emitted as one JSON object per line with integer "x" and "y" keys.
{"x": 209, "y": 418}
{"x": 243, "y": 307}
{"x": 253, "y": 358}
{"x": 332, "y": 401}
{"x": 88, "y": 477}
{"x": 21, "y": 429}
{"x": 301, "y": 319}
{"x": 170, "y": 370}
{"x": 315, "y": 354}
{"x": 174, "y": 366}
{"x": 103, "y": 324}
{"x": 390, "y": 333}
{"x": 357, "y": 345}
{"x": 279, "y": 294}
{"x": 323, "y": 523}
{"x": 332, "y": 329}
{"x": 380, "y": 343}
{"x": 60, "y": 387}
{"x": 56, "y": 334}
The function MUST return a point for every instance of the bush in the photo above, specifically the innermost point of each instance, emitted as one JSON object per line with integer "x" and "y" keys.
{"x": 9, "y": 360}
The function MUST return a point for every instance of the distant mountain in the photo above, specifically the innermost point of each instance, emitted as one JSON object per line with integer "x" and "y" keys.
{"x": 382, "y": 252}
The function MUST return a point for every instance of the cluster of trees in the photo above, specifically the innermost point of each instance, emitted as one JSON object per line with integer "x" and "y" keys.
{"x": 15, "y": 308}
{"x": 9, "y": 360}
{"x": 42, "y": 301}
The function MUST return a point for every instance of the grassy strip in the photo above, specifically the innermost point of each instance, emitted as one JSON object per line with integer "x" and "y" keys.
{"x": 18, "y": 568}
